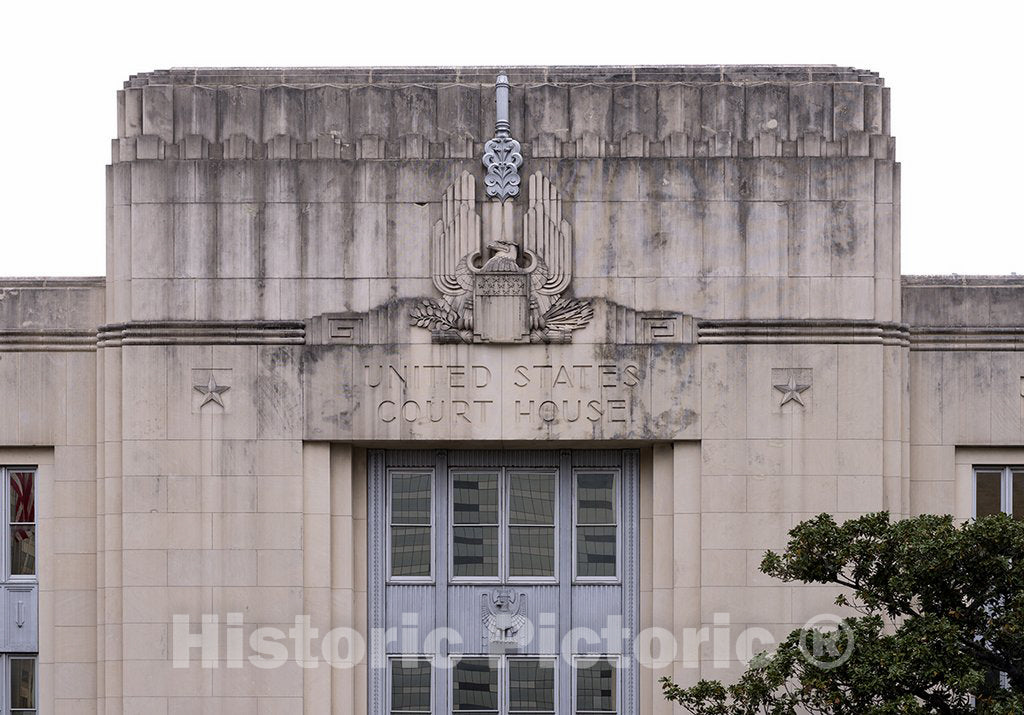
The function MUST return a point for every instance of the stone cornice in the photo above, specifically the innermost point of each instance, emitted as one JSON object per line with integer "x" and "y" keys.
{"x": 711, "y": 332}
{"x": 246, "y": 332}
{"x": 561, "y": 74}
{"x": 983, "y": 338}
{"x": 47, "y": 340}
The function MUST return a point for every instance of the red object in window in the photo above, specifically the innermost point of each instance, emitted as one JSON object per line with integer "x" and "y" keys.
{"x": 23, "y": 503}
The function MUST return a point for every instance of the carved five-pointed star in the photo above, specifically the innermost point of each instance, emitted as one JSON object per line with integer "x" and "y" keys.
{"x": 211, "y": 391}
{"x": 791, "y": 391}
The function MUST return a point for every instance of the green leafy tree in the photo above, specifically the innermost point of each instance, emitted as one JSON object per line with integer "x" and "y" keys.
{"x": 939, "y": 614}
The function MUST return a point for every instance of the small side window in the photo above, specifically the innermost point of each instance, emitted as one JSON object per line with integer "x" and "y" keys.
{"x": 22, "y": 525}
{"x": 999, "y": 490}
{"x": 23, "y": 685}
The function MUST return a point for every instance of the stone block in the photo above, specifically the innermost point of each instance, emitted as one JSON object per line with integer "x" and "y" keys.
{"x": 726, "y": 493}
{"x": 371, "y": 111}
{"x": 678, "y": 110}
{"x": 850, "y": 229}
{"x": 724, "y": 239}
{"x": 932, "y": 462}
{"x": 842, "y": 179}
{"x": 152, "y": 234}
{"x": 157, "y": 112}
{"x": 163, "y": 182}
{"x": 874, "y": 122}
{"x": 848, "y": 108}
{"x": 546, "y": 113}
{"x": 596, "y": 180}
{"x": 860, "y": 384}
{"x": 810, "y": 111}
{"x": 722, "y": 110}
{"x": 860, "y": 493}
{"x": 927, "y": 497}
{"x": 744, "y": 530}
{"x": 195, "y": 113}
{"x": 791, "y": 493}
{"x": 858, "y": 457}
{"x": 744, "y": 604}
{"x": 327, "y": 113}
{"x": 767, "y": 110}
{"x": 132, "y": 112}
{"x": 635, "y": 111}
{"x": 723, "y": 392}
{"x": 809, "y": 248}
{"x": 590, "y": 111}
{"x": 459, "y": 112}
{"x": 239, "y": 113}
{"x": 1006, "y": 390}
{"x": 144, "y": 568}
{"x": 723, "y": 567}
{"x": 283, "y": 112}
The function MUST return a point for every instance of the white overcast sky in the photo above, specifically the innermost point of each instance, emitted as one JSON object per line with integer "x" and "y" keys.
{"x": 955, "y": 72}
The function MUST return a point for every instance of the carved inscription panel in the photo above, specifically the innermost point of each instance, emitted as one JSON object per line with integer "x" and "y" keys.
{"x": 475, "y": 392}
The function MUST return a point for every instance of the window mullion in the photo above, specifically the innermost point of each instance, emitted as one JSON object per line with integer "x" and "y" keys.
{"x": 503, "y": 539}
{"x": 1007, "y": 498}
{"x": 5, "y": 543}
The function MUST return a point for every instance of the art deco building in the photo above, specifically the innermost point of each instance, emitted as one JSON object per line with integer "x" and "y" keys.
{"x": 546, "y": 357}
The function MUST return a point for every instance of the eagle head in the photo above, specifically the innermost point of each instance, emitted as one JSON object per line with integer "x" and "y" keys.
{"x": 507, "y": 248}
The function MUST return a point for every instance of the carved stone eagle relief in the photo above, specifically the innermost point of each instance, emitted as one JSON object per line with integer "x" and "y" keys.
{"x": 498, "y": 287}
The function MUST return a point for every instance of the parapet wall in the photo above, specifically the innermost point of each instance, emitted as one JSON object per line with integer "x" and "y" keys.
{"x": 415, "y": 113}
{"x": 752, "y": 193}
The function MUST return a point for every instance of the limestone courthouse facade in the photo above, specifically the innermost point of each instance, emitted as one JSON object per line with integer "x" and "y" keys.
{"x": 484, "y": 390}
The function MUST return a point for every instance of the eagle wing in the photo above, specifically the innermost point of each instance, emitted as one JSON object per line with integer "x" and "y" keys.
{"x": 456, "y": 236}
{"x": 548, "y": 236}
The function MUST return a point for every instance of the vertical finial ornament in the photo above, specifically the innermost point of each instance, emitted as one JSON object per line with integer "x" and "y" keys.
{"x": 501, "y": 154}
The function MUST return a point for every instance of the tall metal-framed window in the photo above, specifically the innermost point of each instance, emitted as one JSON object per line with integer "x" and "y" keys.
{"x": 504, "y": 685}
{"x": 18, "y": 569}
{"x": 21, "y": 676}
{"x": 999, "y": 489}
{"x": 20, "y": 537}
{"x": 507, "y": 530}
{"x": 411, "y": 521}
{"x": 596, "y": 517}
{"x": 503, "y": 525}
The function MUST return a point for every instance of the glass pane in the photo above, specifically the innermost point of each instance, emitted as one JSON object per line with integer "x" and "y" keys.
{"x": 531, "y": 685}
{"x": 595, "y": 551}
{"x": 595, "y": 495}
{"x": 988, "y": 497}
{"x": 531, "y": 551}
{"x": 531, "y": 499}
{"x": 23, "y": 549}
{"x": 410, "y": 550}
{"x": 474, "y": 551}
{"x": 23, "y": 503}
{"x": 1017, "y": 505}
{"x": 410, "y": 499}
{"x": 475, "y": 685}
{"x": 410, "y": 686}
{"x": 595, "y": 686}
{"x": 23, "y": 682}
{"x": 475, "y": 499}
